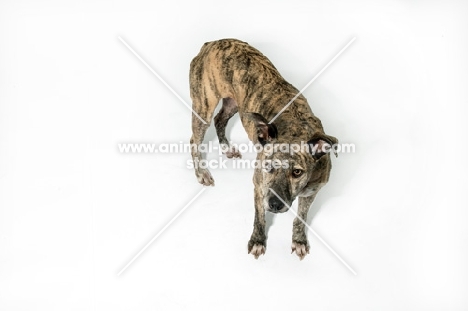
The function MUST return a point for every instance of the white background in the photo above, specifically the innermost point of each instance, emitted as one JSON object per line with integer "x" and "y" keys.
{"x": 73, "y": 211}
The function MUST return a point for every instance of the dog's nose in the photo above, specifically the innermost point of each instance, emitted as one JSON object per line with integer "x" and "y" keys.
{"x": 275, "y": 204}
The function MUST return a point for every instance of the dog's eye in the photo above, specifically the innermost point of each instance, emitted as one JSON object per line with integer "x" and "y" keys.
{"x": 297, "y": 172}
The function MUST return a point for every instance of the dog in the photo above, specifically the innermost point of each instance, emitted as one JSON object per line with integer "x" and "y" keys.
{"x": 248, "y": 83}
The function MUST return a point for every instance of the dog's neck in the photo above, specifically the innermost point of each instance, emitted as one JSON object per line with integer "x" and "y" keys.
{"x": 298, "y": 122}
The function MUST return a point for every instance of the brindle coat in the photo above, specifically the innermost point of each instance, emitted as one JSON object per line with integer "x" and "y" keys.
{"x": 248, "y": 83}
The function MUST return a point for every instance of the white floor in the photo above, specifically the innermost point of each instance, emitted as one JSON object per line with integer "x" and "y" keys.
{"x": 74, "y": 211}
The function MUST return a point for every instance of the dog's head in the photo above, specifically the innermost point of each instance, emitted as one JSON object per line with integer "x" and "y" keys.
{"x": 288, "y": 169}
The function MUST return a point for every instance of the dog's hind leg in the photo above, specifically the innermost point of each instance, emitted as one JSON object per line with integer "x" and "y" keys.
{"x": 221, "y": 120}
{"x": 205, "y": 110}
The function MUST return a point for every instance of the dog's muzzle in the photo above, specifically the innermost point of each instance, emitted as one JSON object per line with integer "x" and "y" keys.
{"x": 276, "y": 206}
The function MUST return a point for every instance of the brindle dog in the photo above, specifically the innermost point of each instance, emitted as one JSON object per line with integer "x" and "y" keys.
{"x": 248, "y": 83}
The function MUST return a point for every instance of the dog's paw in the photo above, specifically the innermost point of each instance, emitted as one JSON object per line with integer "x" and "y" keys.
{"x": 256, "y": 248}
{"x": 204, "y": 177}
{"x": 232, "y": 152}
{"x": 301, "y": 249}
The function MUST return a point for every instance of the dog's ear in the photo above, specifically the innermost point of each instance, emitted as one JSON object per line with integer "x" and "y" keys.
{"x": 265, "y": 132}
{"x": 320, "y": 144}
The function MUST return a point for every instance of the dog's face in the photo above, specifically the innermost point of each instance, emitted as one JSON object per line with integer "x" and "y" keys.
{"x": 284, "y": 176}
{"x": 287, "y": 170}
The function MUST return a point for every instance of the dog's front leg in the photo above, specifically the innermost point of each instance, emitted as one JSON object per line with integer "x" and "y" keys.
{"x": 257, "y": 242}
{"x": 300, "y": 244}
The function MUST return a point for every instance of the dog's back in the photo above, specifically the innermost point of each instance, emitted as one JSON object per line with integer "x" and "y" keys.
{"x": 231, "y": 62}
{"x": 230, "y": 68}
